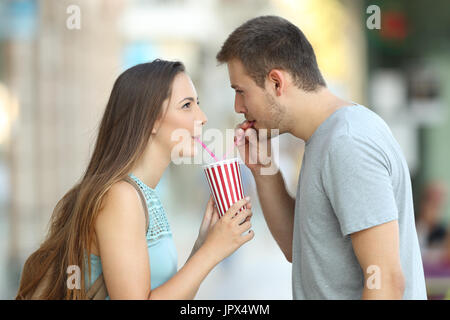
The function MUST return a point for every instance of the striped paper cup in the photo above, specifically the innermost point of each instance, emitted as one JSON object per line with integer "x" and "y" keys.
{"x": 225, "y": 183}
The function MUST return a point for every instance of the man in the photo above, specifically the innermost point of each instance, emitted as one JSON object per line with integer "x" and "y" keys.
{"x": 350, "y": 232}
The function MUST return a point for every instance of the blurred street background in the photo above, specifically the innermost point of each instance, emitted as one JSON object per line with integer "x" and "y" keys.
{"x": 56, "y": 77}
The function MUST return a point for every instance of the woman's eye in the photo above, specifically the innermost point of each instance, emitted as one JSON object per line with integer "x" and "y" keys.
{"x": 240, "y": 92}
{"x": 187, "y": 105}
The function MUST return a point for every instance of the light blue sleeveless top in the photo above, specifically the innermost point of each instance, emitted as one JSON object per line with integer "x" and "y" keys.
{"x": 161, "y": 248}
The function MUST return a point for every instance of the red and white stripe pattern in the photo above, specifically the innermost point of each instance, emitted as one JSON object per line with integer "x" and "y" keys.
{"x": 225, "y": 183}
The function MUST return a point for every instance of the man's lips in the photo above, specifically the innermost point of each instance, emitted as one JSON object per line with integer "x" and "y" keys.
{"x": 250, "y": 123}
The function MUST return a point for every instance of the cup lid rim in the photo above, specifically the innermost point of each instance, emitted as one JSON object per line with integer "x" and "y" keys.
{"x": 220, "y": 162}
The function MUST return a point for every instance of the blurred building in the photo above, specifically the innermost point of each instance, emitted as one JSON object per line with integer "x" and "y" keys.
{"x": 408, "y": 72}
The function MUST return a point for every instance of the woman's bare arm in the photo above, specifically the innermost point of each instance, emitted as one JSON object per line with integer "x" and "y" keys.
{"x": 123, "y": 249}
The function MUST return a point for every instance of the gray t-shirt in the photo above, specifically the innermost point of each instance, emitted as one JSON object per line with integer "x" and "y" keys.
{"x": 353, "y": 177}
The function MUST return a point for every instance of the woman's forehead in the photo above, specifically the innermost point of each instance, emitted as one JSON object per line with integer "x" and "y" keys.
{"x": 183, "y": 87}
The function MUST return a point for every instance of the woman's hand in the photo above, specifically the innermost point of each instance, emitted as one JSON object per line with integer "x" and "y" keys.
{"x": 210, "y": 217}
{"x": 225, "y": 235}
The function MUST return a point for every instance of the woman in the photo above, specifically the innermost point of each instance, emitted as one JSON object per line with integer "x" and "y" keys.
{"x": 100, "y": 225}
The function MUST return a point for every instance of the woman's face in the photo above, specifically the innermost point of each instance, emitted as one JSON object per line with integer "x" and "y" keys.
{"x": 175, "y": 130}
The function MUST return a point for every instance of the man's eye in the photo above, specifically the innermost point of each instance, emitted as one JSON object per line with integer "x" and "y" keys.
{"x": 187, "y": 105}
{"x": 240, "y": 92}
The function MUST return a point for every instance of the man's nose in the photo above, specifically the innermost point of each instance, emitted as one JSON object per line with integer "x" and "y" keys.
{"x": 239, "y": 104}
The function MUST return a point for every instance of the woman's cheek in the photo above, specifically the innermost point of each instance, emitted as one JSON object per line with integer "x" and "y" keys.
{"x": 180, "y": 136}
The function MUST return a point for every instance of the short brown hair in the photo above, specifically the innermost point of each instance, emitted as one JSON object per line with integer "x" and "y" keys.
{"x": 268, "y": 42}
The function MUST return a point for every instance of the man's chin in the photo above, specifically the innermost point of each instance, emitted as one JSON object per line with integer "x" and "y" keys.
{"x": 269, "y": 133}
{"x": 273, "y": 133}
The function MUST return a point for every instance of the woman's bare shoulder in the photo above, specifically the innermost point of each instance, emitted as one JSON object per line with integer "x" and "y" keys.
{"x": 121, "y": 206}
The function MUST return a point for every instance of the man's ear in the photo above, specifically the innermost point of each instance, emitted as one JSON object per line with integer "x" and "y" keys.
{"x": 277, "y": 81}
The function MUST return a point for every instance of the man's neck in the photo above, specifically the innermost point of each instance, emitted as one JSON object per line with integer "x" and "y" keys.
{"x": 310, "y": 110}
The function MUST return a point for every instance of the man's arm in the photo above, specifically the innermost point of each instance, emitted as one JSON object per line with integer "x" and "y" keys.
{"x": 358, "y": 183}
{"x": 278, "y": 208}
{"x": 277, "y": 205}
{"x": 377, "y": 250}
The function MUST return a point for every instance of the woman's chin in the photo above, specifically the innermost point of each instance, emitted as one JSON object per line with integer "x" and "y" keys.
{"x": 189, "y": 152}
{"x": 194, "y": 150}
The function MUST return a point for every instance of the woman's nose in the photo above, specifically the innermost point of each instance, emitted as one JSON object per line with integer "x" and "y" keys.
{"x": 203, "y": 117}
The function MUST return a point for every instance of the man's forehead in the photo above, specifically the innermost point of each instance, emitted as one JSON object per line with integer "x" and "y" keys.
{"x": 235, "y": 66}
{"x": 236, "y": 73}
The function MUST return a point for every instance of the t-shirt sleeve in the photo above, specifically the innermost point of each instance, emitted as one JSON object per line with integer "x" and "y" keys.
{"x": 356, "y": 179}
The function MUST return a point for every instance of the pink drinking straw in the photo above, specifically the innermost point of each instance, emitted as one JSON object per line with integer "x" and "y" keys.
{"x": 206, "y": 148}
{"x": 235, "y": 144}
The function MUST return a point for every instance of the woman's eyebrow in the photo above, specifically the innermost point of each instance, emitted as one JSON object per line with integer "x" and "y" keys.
{"x": 188, "y": 98}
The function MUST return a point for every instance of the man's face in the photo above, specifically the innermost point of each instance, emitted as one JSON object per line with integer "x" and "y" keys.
{"x": 255, "y": 103}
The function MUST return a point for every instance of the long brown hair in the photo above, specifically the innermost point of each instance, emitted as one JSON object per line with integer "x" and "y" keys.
{"x": 134, "y": 105}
